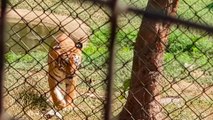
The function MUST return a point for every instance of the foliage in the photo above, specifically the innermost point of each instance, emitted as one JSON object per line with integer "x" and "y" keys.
{"x": 210, "y": 6}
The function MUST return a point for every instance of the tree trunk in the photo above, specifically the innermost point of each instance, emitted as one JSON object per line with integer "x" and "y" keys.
{"x": 143, "y": 99}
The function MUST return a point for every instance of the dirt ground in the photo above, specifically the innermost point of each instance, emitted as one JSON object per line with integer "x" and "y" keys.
{"x": 66, "y": 23}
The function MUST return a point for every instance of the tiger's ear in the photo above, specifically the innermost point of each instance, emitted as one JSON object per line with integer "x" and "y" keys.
{"x": 78, "y": 45}
{"x": 57, "y": 49}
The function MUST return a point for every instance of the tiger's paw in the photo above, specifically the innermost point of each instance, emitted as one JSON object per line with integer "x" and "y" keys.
{"x": 51, "y": 113}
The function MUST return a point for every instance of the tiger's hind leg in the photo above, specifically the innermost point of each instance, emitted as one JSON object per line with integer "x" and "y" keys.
{"x": 56, "y": 94}
{"x": 70, "y": 91}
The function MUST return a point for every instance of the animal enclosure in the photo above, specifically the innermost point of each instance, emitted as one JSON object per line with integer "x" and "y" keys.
{"x": 186, "y": 76}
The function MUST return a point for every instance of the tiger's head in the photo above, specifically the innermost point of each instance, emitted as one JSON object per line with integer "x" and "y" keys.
{"x": 68, "y": 54}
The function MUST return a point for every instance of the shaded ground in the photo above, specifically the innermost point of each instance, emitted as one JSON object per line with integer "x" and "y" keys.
{"x": 66, "y": 23}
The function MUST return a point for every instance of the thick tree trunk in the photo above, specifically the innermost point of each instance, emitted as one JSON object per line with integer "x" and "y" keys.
{"x": 143, "y": 99}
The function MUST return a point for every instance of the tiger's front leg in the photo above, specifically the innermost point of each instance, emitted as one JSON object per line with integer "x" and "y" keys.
{"x": 56, "y": 93}
{"x": 70, "y": 91}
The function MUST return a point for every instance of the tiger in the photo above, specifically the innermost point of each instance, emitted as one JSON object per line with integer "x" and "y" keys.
{"x": 64, "y": 59}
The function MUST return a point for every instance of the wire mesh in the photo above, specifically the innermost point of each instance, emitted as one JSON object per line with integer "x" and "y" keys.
{"x": 186, "y": 79}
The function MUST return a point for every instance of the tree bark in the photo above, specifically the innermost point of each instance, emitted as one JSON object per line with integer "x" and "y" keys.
{"x": 143, "y": 98}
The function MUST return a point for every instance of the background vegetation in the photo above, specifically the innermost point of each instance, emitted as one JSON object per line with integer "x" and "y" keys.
{"x": 187, "y": 65}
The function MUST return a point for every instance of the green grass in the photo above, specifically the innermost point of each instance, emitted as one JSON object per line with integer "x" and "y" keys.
{"x": 33, "y": 60}
{"x": 186, "y": 60}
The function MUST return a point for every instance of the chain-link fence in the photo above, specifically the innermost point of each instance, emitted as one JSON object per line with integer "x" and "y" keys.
{"x": 185, "y": 84}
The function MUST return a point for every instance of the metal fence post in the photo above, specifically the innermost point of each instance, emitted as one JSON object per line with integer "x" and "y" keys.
{"x": 2, "y": 23}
